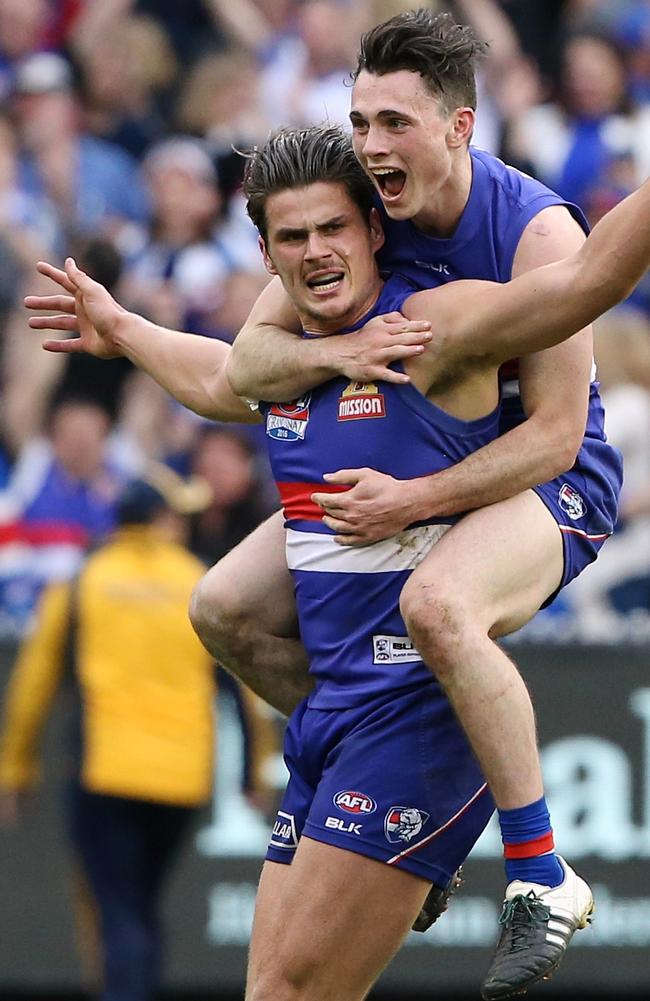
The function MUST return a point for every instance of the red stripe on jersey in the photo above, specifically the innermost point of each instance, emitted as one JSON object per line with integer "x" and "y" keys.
{"x": 43, "y": 533}
{"x": 530, "y": 849}
{"x": 297, "y": 503}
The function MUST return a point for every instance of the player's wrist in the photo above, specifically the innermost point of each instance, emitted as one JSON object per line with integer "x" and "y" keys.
{"x": 429, "y": 497}
{"x": 129, "y": 334}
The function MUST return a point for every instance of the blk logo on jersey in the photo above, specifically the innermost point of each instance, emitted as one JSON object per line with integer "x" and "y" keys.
{"x": 403, "y": 823}
{"x": 354, "y": 802}
{"x": 284, "y": 831}
{"x": 571, "y": 502}
{"x": 360, "y": 401}
{"x": 288, "y": 421}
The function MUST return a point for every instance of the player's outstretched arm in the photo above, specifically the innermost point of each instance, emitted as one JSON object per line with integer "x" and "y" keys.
{"x": 269, "y": 361}
{"x": 189, "y": 367}
{"x": 543, "y": 307}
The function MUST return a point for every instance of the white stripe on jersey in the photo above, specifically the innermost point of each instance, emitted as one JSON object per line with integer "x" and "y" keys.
{"x": 317, "y": 552}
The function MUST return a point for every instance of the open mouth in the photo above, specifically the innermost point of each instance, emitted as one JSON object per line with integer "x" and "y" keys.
{"x": 390, "y": 181}
{"x": 325, "y": 281}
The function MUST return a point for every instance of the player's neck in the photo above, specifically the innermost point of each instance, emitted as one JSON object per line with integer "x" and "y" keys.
{"x": 443, "y": 211}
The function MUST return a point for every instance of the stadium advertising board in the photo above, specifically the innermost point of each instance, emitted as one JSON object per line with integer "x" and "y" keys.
{"x": 593, "y": 708}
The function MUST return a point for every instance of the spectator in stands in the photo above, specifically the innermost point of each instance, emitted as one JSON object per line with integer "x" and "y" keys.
{"x": 23, "y": 30}
{"x": 181, "y": 268}
{"x": 143, "y": 727}
{"x": 304, "y": 81}
{"x": 60, "y": 499}
{"x": 632, "y": 29}
{"x": 93, "y": 183}
{"x": 594, "y": 140}
{"x": 241, "y": 499}
{"x": 126, "y": 76}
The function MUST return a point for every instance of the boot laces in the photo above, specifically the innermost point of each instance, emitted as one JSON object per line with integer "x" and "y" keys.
{"x": 522, "y": 915}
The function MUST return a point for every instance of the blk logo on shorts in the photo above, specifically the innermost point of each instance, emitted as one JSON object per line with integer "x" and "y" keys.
{"x": 403, "y": 823}
{"x": 571, "y": 502}
{"x": 354, "y": 802}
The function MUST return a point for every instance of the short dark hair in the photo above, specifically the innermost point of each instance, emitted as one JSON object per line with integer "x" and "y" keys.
{"x": 444, "y": 52}
{"x": 294, "y": 158}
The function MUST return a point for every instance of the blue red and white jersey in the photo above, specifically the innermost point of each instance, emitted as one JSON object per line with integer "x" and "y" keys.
{"x": 348, "y": 598}
{"x": 502, "y": 201}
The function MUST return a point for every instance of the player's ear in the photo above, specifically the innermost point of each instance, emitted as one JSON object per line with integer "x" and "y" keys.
{"x": 461, "y": 126}
{"x": 268, "y": 263}
{"x": 376, "y": 230}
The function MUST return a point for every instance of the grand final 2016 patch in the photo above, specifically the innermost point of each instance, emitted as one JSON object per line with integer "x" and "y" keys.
{"x": 288, "y": 421}
{"x": 361, "y": 401}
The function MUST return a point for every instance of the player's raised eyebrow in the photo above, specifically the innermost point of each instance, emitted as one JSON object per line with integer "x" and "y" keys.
{"x": 384, "y": 113}
{"x": 294, "y": 232}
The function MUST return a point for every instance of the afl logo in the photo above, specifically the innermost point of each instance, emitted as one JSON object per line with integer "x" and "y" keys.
{"x": 288, "y": 421}
{"x": 354, "y": 802}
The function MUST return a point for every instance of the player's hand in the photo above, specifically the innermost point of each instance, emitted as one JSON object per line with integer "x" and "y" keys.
{"x": 375, "y": 507}
{"x": 86, "y": 307}
{"x": 366, "y": 355}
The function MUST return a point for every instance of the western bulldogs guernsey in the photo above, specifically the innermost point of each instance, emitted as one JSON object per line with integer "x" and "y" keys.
{"x": 501, "y": 203}
{"x": 348, "y": 598}
{"x": 378, "y": 763}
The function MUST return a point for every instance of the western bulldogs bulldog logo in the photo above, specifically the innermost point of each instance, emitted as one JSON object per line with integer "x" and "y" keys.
{"x": 571, "y": 502}
{"x": 288, "y": 421}
{"x": 403, "y": 823}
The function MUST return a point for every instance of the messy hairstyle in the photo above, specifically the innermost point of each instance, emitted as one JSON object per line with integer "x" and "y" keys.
{"x": 443, "y": 52}
{"x": 294, "y": 158}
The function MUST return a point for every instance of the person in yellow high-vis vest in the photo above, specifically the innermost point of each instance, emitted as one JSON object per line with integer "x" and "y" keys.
{"x": 144, "y": 740}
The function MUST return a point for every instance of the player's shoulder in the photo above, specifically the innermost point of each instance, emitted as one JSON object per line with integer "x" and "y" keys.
{"x": 510, "y": 182}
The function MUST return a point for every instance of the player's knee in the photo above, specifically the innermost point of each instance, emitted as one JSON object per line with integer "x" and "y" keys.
{"x": 436, "y": 622}
{"x": 217, "y": 616}
{"x": 294, "y": 980}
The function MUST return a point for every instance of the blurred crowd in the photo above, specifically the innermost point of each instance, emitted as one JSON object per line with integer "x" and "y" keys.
{"x": 120, "y": 126}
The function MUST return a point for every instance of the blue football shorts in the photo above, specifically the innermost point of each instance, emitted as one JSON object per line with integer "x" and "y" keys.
{"x": 394, "y": 780}
{"x": 584, "y": 503}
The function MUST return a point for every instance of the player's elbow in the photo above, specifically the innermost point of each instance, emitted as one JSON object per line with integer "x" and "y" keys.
{"x": 561, "y": 443}
{"x": 237, "y": 372}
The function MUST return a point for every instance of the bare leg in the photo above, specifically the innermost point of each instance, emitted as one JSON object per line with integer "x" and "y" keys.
{"x": 244, "y": 613}
{"x": 327, "y": 925}
{"x": 486, "y": 577}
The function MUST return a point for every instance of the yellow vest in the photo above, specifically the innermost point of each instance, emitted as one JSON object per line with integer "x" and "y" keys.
{"x": 145, "y": 682}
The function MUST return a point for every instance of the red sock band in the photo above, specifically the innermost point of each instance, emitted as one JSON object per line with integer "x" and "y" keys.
{"x": 529, "y": 849}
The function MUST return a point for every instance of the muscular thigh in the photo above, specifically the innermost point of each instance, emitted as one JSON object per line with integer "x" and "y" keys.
{"x": 328, "y": 924}
{"x": 501, "y": 563}
{"x": 252, "y": 581}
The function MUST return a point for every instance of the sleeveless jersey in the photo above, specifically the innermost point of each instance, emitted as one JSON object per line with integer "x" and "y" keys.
{"x": 348, "y": 598}
{"x": 501, "y": 203}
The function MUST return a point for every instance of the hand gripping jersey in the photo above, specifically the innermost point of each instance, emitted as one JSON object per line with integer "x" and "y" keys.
{"x": 348, "y": 598}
